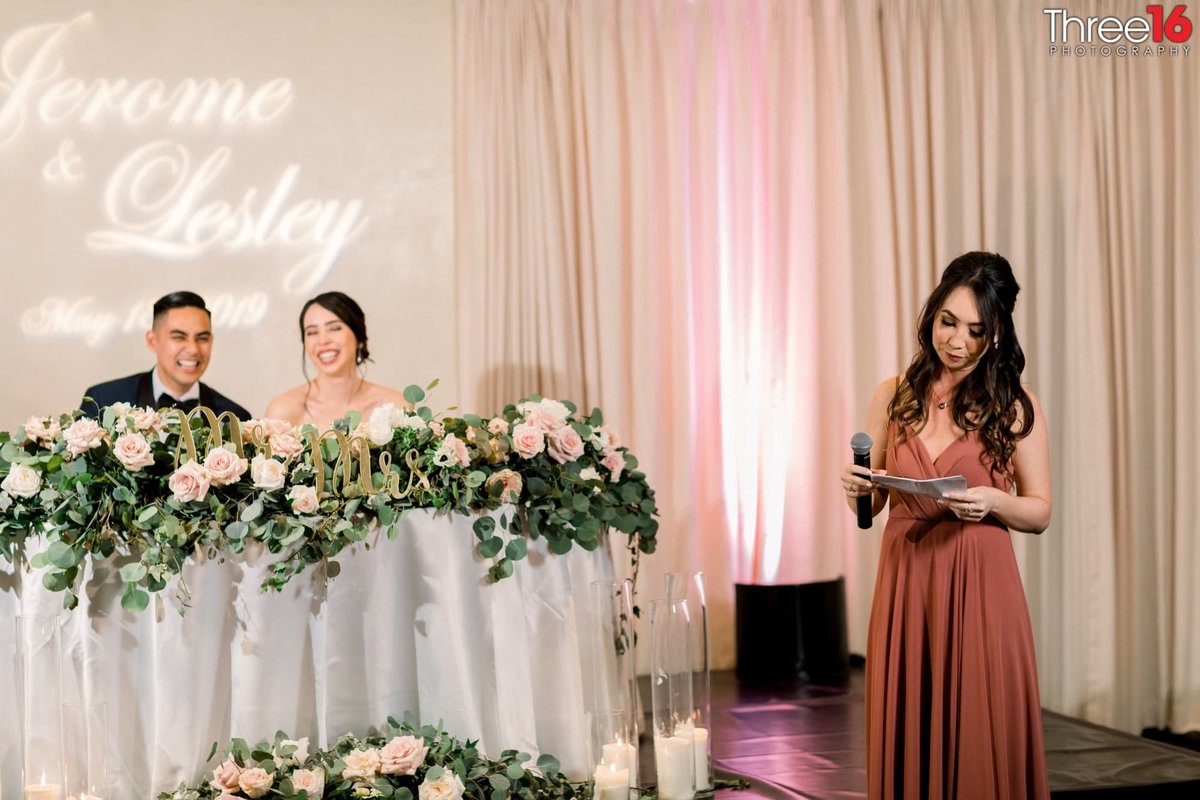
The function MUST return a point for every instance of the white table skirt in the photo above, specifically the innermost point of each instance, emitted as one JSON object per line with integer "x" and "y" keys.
{"x": 409, "y": 624}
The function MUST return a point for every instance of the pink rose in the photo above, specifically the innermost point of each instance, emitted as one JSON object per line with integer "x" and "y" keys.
{"x": 497, "y": 426}
{"x": 133, "y": 451}
{"x": 565, "y": 445}
{"x": 224, "y": 466}
{"x": 402, "y": 755}
{"x": 225, "y": 777}
{"x": 528, "y": 440}
{"x": 511, "y": 482}
{"x": 614, "y": 462}
{"x": 285, "y": 444}
{"x": 361, "y": 765}
{"x": 304, "y": 499}
{"x": 42, "y": 429}
{"x": 451, "y": 453}
{"x": 255, "y": 782}
{"x": 83, "y": 435}
{"x": 543, "y": 420}
{"x": 438, "y": 428}
{"x": 310, "y": 780}
{"x": 189, "y": 483}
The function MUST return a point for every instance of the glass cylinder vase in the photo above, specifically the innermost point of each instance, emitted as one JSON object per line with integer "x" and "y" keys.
{"x": 614, "y": 756}
{"x": 39, "y": 652}
{"x": 671, "y": 697}
{"x": 689, "y": 587}
{"x": 614, "y": 684}
{"x": 85, "y": 744}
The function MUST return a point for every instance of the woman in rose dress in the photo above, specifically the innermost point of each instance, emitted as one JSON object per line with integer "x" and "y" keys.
{"x": 952, "y": 694}
{"x": 333, "y": 330}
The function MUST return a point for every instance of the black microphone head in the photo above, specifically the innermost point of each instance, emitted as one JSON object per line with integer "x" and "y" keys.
{"x": 861, "y": 443}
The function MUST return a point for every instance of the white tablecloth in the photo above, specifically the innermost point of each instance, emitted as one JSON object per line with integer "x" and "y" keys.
{"x": 409, "y": 624}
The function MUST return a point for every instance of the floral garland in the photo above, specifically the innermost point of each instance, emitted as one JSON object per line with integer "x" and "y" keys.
{"x": 407, "y": 760}
{"x": 135, "y": 485}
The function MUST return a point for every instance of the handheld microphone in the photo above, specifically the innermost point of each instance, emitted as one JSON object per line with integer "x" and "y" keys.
{"x": 860, "y": 443}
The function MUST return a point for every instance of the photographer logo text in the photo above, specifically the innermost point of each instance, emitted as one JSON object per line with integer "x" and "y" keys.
{"x": 1161, "y": 32}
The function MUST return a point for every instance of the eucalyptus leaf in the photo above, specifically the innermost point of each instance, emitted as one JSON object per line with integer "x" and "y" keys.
{"x": 515, "y": 550}
{"x": 414, "y": 394}
{"x": 132, "y": 573}
{"x": 61, "y": 555}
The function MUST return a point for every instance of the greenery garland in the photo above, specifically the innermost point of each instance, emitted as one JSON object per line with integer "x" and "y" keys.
{"x": 404, "y": 762}
{"x": 155, "y": 488}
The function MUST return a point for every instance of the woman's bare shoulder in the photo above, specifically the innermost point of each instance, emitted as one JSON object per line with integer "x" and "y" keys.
{"x": 289, "y": 405}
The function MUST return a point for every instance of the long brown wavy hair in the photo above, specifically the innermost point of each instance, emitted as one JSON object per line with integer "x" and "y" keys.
{"x": 990, "y": 398}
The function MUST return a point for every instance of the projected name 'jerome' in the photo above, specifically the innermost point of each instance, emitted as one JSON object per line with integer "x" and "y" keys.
{"x": 159, "y": 199}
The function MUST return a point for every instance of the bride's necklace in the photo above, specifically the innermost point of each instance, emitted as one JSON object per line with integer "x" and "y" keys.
{"x": 939, "y": 399}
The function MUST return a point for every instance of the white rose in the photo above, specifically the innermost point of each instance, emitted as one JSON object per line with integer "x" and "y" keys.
{"x": 379, "y": 431}
{"x": 590, "y": 474}
{"x": 133, "y": 451}
{"x": 310, "y": 780}
{"x": 22, "y": 481}
{"x": 267, "y": 473}
{"x": 255, "y": 782}
{"x": 299, "y": 755}
{"x": 448, "y": 786}
{"x": 83, "y": 435}
{"x": 42, "y": 429}
{"x": 414, "y": 422}
{"x": 304, "y": 499}
{"x": 361, "y": 765}
{"x": 224, "y": 466}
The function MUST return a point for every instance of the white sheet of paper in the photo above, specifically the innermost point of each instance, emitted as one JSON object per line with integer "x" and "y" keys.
{"x": 930, "y": 487}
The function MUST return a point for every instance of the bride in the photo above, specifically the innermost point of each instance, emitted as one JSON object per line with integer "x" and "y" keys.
{"x": 333, "y": 330}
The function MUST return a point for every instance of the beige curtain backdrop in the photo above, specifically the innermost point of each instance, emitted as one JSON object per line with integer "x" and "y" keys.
{"x": 717, "y": 221}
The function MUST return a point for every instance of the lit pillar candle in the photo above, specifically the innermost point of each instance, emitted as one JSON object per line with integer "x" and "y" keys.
{"x": 624, "y": 756}
{"x": 43, "y": 791}
{"x": 673, "y": 757}
{"x": 700, "y": 745}
{"x": 612, "y": 783}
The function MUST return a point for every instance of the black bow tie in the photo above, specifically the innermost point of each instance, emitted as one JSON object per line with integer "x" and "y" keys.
{"x": 166, "y": 401}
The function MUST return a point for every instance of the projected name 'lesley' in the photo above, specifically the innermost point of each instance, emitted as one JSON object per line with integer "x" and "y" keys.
{"x": 158, "y": 200}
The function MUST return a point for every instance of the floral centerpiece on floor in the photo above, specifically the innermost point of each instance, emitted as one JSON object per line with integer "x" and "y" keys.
{"x": 154, "y": 488}
{"x": 404, "y": 762}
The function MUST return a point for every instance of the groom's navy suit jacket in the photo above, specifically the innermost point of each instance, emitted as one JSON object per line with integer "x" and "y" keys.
{"x": 138, "y": 390}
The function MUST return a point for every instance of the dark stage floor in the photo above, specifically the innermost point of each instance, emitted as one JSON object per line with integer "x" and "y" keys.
{"x": 807, "y": 741}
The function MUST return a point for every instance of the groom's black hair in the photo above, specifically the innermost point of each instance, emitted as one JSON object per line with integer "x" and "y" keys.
{"x": 179, "y": 300}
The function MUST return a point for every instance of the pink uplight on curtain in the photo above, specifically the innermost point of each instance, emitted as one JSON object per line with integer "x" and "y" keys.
{"x": 761, "y": 286}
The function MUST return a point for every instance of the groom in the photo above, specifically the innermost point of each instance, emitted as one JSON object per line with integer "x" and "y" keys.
{"x": 181, "y": 339}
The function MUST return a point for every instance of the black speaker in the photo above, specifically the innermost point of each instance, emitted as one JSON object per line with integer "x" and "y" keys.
{"x": 792, "y": 632}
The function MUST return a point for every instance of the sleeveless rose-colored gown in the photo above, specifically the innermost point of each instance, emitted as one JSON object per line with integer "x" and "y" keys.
{"x": 952, "y": 693}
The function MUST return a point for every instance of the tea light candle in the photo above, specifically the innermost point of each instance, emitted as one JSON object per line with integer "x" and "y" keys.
{"x": 673, "y": 757}
{"x": 624, "y": 756}
{"x": 700, "y": 746}
{"x": 43, "y": 791}
{"x": 612, "y": 783}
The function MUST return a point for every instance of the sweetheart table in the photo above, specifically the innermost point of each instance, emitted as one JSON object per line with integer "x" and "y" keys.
{"x": 409, "y": 624}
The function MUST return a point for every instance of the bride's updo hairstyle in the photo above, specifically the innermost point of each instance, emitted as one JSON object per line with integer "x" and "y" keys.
{"x": 348, "y": 311}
